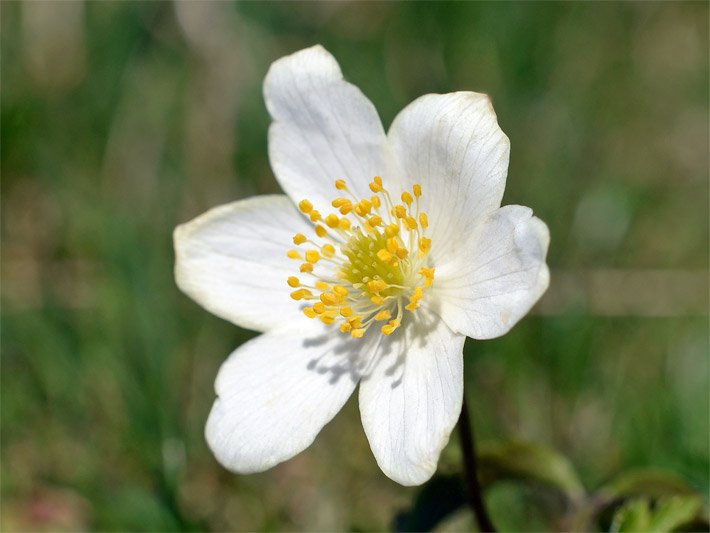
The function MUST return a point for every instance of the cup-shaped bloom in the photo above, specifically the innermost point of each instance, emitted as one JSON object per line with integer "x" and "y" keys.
{"x": 386, "y": 252}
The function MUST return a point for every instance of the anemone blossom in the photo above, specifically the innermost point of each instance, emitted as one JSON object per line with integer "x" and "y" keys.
{"x": 385, "y": 253}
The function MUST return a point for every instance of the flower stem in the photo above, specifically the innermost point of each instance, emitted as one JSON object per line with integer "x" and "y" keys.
{"x": 473, "y": 487}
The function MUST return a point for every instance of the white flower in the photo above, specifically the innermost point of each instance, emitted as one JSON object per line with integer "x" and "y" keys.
{"x": 416, "y": 255}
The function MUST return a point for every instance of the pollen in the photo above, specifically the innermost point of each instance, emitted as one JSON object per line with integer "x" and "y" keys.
{"x": 371, "y": 264}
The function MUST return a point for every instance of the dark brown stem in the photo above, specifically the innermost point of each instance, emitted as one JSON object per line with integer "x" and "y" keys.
{"x": 473, "y": 487}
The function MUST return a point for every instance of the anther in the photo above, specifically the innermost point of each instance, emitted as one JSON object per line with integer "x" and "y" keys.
{"x": 332, "y": 221}
{"x": 383, "y": 315}
{"x": 340, "y": 291}
{"x": 300, "y": 294}
{"x": 423, "y": 220}
{"x": 329, "y": 298}
{"x": 305, "y": 206}
{"x": 424, "y": 245}
{"x": 327, "y": 319}
{"x": 312, "y": 256}
{"x": 328, "y": 250}
{"x": 389, "y": 328}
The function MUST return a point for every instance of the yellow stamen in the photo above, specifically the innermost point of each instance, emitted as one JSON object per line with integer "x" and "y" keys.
{"x": 305, "y": 206}
{"x": 332, "y": 221}
{"x": 374, "y": 221}
{"x": 327, "y": 319}
{"x": 340, "y": 291}
{"x": 383, "y": 315}
{"x": 328, "y": 298}
{"x": 424, "y": 245}
{"x": 328, "y": 250}
{"x": 371, "y": 272}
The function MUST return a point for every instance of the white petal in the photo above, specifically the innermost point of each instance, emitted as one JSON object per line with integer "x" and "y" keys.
{"x": 276, "y": 392}
{"x": 452, "y": 145}
{"x": 324, "y": 129}
{"x": 232, "y": 261}
{"x": 411, "y": 401}
{"x": 498, "y": 275}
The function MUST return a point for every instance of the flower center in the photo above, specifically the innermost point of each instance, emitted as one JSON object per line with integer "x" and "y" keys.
{"x": 371, "y": 261}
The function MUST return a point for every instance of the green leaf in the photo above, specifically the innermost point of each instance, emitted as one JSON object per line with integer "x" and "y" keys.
{"x": 651, "y": 483}
{"x": 527, "y": 462}
{"x": 635, "y": 515}
{"x": 669, "y": 514}
{"x": 675, "y": 511}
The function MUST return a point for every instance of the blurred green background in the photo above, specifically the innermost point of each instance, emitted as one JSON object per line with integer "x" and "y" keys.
{"x": 122, "y": 119}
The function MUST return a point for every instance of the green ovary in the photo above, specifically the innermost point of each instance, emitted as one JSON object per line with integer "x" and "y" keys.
{"x": 364, "y": 265}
